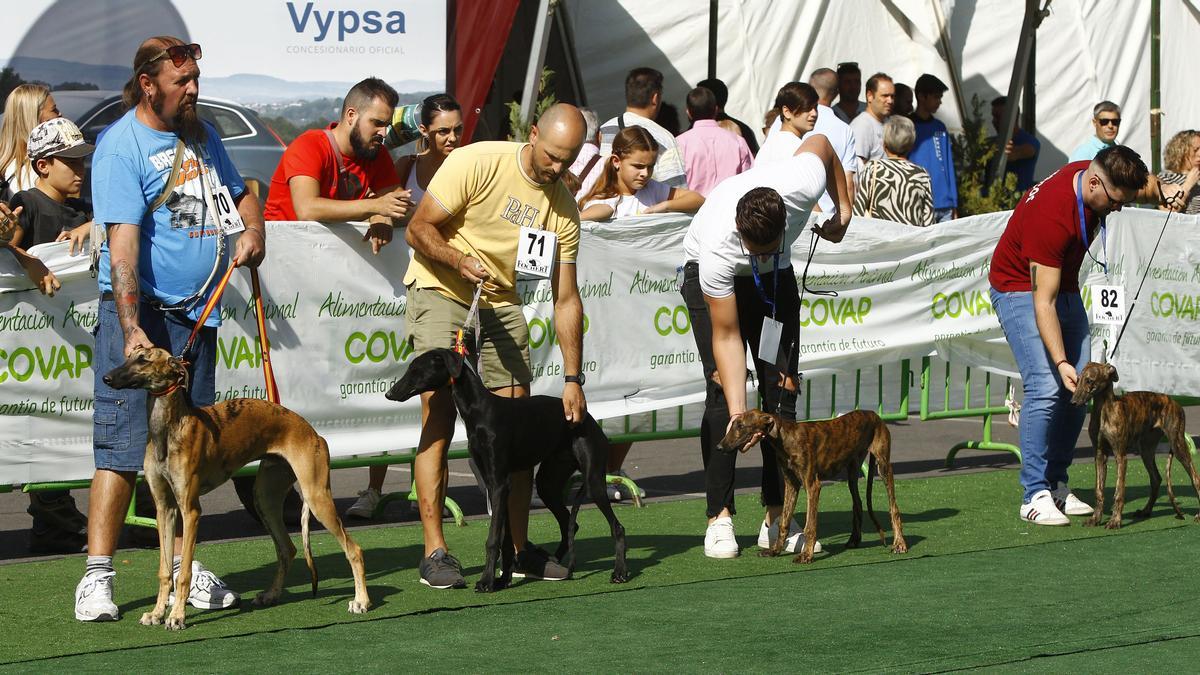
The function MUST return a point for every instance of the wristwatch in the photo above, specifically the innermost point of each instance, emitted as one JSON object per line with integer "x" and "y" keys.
{"x": 579, "y": 379}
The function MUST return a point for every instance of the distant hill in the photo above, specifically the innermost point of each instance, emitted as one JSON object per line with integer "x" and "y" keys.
{"x": 244, "y": 88}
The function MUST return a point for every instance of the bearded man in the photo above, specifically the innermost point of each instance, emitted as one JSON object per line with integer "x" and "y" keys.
{"x": 342, "y": 173}
{"x": 168, "y": 197}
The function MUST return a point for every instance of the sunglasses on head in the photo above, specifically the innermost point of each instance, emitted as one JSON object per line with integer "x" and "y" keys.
{"x": 1113, "y": 121}
{"x": 179, "y": 54}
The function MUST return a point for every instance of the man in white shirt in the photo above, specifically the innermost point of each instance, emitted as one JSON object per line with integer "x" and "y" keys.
{"x": 868, "y": 126}
{"x": 643, "y": 98}
{"x": 738, "y": 280}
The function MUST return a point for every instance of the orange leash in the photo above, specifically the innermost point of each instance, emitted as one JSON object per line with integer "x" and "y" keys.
{"x": 265, "y": 345}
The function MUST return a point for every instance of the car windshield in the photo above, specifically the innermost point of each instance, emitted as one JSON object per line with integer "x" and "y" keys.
{"x": 73, "y": 104}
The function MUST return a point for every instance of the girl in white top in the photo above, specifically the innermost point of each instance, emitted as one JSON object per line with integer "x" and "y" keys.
{"x": 441, "y": 130}
{"x": 26, "y": 107}
{"x": 625, "y": 187}
{"x": 796, "y": 105}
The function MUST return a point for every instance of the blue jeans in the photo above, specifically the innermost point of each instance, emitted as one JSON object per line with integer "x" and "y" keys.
{"x": 119, "y": 416}
{"x": 943, "y": 215}
{"x": 1050, "y": 423}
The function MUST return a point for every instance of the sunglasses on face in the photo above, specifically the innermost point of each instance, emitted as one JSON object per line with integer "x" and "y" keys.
{"x": 1109, "y": 121}
{"x": 179, "y": 54}
{"x": 1112, "y": 203}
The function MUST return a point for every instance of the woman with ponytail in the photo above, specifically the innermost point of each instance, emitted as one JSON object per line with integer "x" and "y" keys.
{"x": 796, "y": 106}
{"x": 625, "y": 187}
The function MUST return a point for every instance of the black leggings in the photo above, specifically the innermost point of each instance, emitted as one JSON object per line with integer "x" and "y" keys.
{"x": 719, "y": 467}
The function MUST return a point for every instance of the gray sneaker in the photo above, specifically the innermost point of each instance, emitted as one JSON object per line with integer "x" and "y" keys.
{"x": 441, "y": 570}
{"x": 535, "y": 563}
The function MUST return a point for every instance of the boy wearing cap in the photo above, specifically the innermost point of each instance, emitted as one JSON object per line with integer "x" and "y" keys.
{"x": 56, "y": 151}
{"x": 931, "y": 151}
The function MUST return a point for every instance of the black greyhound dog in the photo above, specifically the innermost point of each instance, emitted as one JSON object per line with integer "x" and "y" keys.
{"x": 512, "y": 434}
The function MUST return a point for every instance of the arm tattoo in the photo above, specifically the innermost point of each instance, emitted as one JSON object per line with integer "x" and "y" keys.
{"x": 125, "y": 294}
{"x": 1033, "y": 277}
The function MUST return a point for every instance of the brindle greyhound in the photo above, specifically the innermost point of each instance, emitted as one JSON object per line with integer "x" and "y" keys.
{"x": 1134, "y": 420}
{"x": 809, "y": 451}
{"x": 511, "y": 434}
{"x": 190, "y": 451}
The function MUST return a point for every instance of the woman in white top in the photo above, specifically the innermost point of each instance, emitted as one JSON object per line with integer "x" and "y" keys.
{"x": 26, "y": 107}
{"x": 625, "y": 187}
{"x": 796, "y": 106}
{"x": 441, "y": 130}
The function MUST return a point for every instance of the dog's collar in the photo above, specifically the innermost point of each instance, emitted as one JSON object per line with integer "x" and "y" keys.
{"x": 181, "y": 382}
{"x": 169, "y": 390}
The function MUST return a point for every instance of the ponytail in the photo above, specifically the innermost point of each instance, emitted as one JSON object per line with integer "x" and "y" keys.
{"x": 628, "y": 141}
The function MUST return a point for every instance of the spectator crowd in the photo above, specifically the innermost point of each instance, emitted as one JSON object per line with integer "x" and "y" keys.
{"x": 825, "y": 150}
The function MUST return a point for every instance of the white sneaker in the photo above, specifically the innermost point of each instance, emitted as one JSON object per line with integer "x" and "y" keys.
{"x": 1069, "y": 503}
{"x": 207, "y": 590}
{"x": 364, "y": 507}
{"x": 1041, "y": 510}
{"x": 93, "y": 598}
{"x": 795, "y": 540}
{"x": 719, "y": 540}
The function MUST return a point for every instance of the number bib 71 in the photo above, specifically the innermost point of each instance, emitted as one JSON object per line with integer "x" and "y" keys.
{"x": 1108, "y": 305}
{"x": 535, "y": 252}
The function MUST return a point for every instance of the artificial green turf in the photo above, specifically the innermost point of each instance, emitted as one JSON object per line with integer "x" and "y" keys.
{"x": 978, "y": 587}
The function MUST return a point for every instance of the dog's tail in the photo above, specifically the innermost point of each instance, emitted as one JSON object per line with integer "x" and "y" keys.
{"x": 312, "y": 569}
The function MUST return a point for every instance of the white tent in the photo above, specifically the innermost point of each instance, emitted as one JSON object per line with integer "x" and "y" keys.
{"x": 1087, "y": 51}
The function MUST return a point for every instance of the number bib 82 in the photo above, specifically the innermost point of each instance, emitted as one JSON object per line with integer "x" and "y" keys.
{"x": 1108, "y": 305}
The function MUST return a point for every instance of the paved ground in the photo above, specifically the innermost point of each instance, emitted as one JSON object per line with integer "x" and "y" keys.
{"x": 665, "y": 469}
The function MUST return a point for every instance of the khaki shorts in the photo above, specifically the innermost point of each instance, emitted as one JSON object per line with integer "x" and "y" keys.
{"x": 433, "y": 319}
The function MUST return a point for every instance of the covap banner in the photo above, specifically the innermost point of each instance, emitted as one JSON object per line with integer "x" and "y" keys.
{"x": 335, "y": 319}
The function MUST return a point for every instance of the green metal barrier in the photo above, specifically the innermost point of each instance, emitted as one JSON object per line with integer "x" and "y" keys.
{"x": 987, "y": 411}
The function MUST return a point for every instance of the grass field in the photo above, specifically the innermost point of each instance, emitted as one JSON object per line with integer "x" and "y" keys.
{"x": 978, "y": 589}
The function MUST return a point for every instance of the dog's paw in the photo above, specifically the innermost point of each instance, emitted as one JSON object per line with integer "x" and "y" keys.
{"x": 1092, "y": 522}
{"x": 853, "y": 543}
{"x": 485, "y": 585}
{"x": 900, "y": 546}
{"x": 1197, "y": 518}
{"x": 175, "y": 623}
{"x": 266, "y": 599}
{"x": 767, "y": 553}
{"x": 803, "y": 559}
{"x": 357, "y": 607}
{"x": 1142, "y": 513}
{"x": 619, "y": 577}
{"x": 151, "y": 619}
{"x": 1113, "y": 524}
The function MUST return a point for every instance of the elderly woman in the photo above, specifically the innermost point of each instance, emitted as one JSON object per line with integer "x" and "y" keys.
{"x": 1182, "y": 160}
{"x": 893, "y": 188}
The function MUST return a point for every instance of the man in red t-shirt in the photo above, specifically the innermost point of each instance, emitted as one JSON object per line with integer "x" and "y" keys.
{"x": 1035, "y": 290}
{"x": 343, "y": 173}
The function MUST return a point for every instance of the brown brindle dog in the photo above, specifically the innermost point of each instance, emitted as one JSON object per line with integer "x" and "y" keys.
{"x": 810, "y": 451}
{"x": 190, "y": 451}
{"x": 1136, "y": 420}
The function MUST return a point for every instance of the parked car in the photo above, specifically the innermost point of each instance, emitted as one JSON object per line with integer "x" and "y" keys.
{"x": 254, "y": 148}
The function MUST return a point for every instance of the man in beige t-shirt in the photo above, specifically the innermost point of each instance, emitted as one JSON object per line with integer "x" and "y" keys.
{"x": 466, "y": 231}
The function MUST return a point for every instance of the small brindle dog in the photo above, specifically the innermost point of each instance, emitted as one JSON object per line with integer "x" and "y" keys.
{"x": 809, "y": 451}
{"x": 1136, "y": 421}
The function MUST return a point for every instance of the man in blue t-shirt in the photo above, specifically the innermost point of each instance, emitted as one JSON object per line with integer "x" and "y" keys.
{"x": 1106, "y": 118}
{"x": 1022, "y": 150}
{"x": 931, "y": 151}
{"x": 156, "y": 272}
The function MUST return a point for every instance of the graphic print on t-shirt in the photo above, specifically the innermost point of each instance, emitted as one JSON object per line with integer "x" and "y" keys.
{"x": 519, "y": 213}
{"x": 186, "y": 203}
